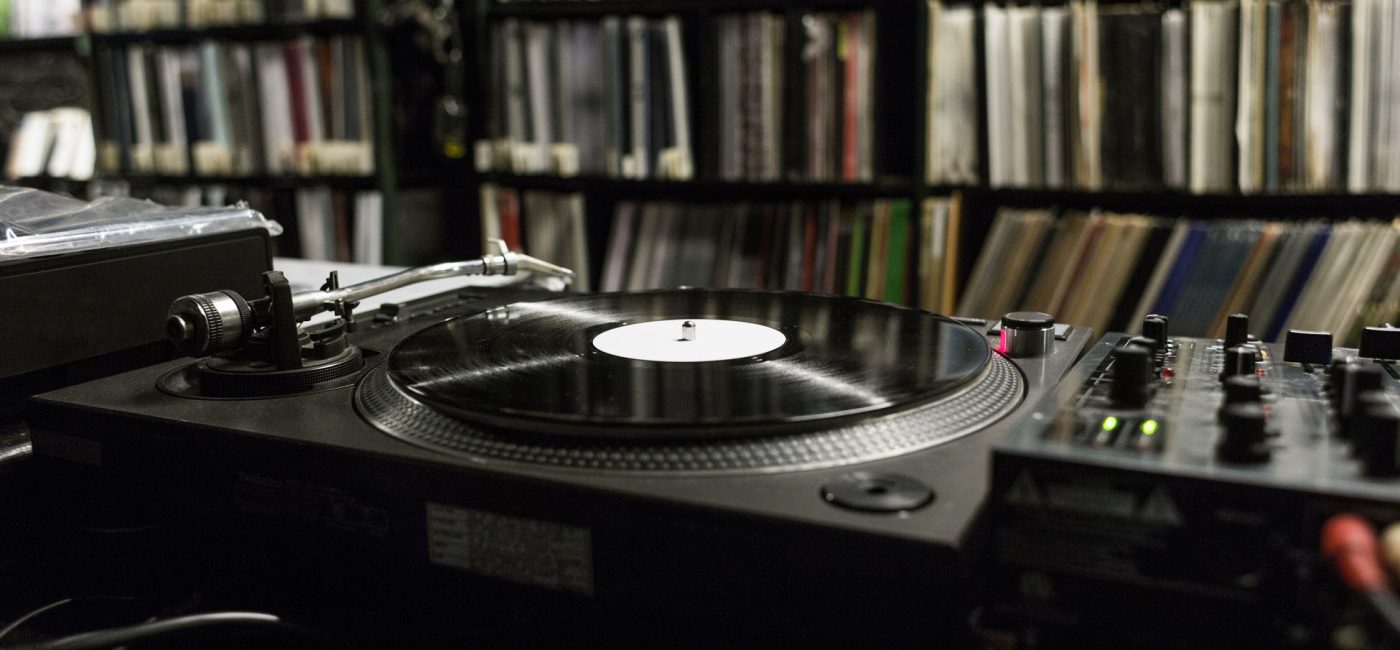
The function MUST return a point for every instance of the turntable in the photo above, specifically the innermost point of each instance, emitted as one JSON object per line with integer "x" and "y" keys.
{"x": 513, "y": 463}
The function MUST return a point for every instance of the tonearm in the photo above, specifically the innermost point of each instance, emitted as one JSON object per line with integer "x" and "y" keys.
{"x": 267, "y": 330}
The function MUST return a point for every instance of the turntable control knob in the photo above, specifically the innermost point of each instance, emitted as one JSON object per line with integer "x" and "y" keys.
{"x": 1308, "y": 347}
{"x": 1155, "y": 327}
{"x": 1027, "y": 334}
{"x": 1243, "y": 438}
{"x": 1380, "y": 343}
{"x": 1236, "y": 330}
{"x": 1239, "y": 360}
{"x": 1132, "y": 376}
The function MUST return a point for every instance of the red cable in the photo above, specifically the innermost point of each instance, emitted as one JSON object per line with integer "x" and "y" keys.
{"x": 1349, "y": 542}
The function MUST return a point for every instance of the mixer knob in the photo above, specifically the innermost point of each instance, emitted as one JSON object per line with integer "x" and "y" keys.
{"x": 1380, "y": 343}
{"x": 1132, "y": 376}
{"x": 1155, "y": 327}
{"x": 1308, "y": 347}
{"x": 1336, "y": 376}
{"x": 1239, "y": 360}
{"x": 1243, "y": 389}
{"x": 1145, "y": 341}
{"x": 1375, "y": 427}
{"x": 1243, "y": 438}
{"x": 1027, "y": 334}
{"x": 1236, "y": 330}
{"x": 1356, "y": 428}
{"x": 1357, "y": 379}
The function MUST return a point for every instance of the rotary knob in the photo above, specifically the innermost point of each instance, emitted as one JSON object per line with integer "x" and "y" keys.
{"x": 1336, "y": 376}
{"x": 1132, "y": 376}
{"x": 1358, "y": 427}
{"x": 1357, "y": 379}
{"x": 1243, "y": 389}
{"x": 1027, "y": 334}
{"x": 1155, "y": 327}
{"x": 1236, "y": 330}
{"x": 1238, "y": 360}
{"x": 1375, "y": 427}
{"x": 1243, "y": 438}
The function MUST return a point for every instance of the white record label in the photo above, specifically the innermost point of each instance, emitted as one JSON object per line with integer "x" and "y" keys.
{"x": 705, "y": 339}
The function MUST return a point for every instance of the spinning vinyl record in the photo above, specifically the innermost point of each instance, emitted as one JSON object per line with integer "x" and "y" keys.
{"x": 686, "y": 364}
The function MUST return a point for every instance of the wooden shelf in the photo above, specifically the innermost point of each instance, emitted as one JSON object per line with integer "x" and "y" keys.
{"x": 46, "y": 182}
{"x": 1180, "y": 203}
{"x": 56, "y": 43}
{"x": 704, "y": 190}
{"x": 559, "y": 8}
{"x": 262, "y": 32}
{"x": 270, "y": 182}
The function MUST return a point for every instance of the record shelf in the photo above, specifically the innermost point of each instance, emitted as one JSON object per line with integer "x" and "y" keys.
{"x": 899, "y": 97}
{"x": 901, "y": 100}
{"x": 895, "y": 91}
{"x": 372, "y": 27}
{"x": 61, "y": 43}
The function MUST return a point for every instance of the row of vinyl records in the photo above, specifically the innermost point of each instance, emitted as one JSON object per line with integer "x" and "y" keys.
{"x": 39, "y": 18}
{"x": 56, "y": 143}
{"x": 139, "y": 15}
{"x": 1093, "y": 268}
{"x": 865, "y": 248}
{"x": 612, "y": 97}
{"x": 319, "y": 223}
{"x": 1108, "y": 271}
{"x": 43, "y": 18}
{"x": 1212, "y": 96}
{"x": 296, "y": 107}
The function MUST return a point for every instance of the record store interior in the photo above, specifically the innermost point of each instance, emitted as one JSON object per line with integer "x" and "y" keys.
{"x": 700, "y": 323}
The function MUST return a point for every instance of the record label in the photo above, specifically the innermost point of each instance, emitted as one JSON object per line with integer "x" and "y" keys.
{"x": 689, "y": 340}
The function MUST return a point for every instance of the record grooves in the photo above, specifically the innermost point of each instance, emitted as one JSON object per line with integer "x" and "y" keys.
{"x": 854, "y": 381}
{"x": 534, "y": 366}
{"x": 996, "y": 394}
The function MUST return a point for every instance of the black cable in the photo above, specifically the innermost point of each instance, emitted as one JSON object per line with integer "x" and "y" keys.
{"x": 148, "y": 631}
{"x": 32, "y": 615}
{"x": 35, "y": 613}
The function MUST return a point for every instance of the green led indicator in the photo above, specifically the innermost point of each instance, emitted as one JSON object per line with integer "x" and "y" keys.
{"x": 1110, "y": 423}
{"x": 1149, "y": 427}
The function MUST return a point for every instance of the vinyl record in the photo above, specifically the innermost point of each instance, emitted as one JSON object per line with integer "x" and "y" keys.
{"x": 769, "y": 362}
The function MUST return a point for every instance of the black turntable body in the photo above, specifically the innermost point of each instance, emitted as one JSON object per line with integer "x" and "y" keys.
{"x": 451, "y": 490}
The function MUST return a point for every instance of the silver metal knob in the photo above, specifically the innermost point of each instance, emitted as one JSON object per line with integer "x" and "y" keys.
{"x": 1027, "y": 334}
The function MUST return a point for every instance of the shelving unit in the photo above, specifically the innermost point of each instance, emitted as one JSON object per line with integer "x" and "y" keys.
{"x": 900, "y": 132}
{"x": 370, "y": 24}
{"x": 897, "y": 96}
{"x": 267, "y": 31}
{"x": 75, "y": 42}
{"x": 703, "y": 189}
{"x": 584, "y": 8}
{"x": 900, "y": 101}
